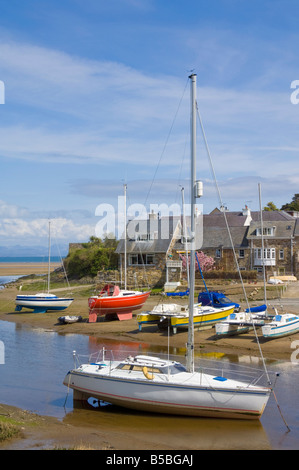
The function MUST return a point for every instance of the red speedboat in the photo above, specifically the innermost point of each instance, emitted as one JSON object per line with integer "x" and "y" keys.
{"x": 112, "y": 300}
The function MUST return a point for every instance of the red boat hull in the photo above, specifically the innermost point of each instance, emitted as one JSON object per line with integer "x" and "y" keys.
{"x": 121, "y": 305}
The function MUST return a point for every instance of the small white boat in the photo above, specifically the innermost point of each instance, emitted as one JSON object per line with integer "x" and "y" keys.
{"x": 238, "y": 323}
{"x": 42, "y": 302}
{"x": 162, "y": 386}
{"x": 70, "y": 319}
{"x": 282, "y": 325}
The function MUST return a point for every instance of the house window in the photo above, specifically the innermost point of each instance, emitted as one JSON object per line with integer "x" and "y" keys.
{"x": 241, "y": 253}
{"x": 269, "y": 253}
{"x": 141, "y": 259}
{"x": 143, "y": 237}
{"x": 218, "y": 253}
{"x": 266, "y": 231}
{"x": 281, "y": 254}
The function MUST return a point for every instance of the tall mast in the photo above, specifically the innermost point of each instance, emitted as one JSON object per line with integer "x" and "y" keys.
{"x": 190, "y": 344}
{"x": 186, "y": 240}
{"x": 263, "y": 247}
{"x": 125, "y": 215}
{"x": 49, "y": 257}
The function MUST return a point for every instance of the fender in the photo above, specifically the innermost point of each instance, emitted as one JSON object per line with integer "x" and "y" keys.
{"x": 147, "y": 374}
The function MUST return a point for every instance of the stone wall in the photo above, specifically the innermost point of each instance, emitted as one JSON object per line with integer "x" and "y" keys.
{"x": 137, "y": 277}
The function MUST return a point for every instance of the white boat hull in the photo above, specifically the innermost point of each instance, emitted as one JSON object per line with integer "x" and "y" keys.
{"x": 283, "y": 325}
{"x": 238, "y": 323}
{"x": 194, "y": 394}
{"x": 42, "y": 304}
{"x": 230, "y": 329}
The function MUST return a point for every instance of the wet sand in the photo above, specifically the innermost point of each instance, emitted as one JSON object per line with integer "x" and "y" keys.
{"x": 24, "y": 269}
{"x": 51, "y": 433}
{"x": 205, "y": 340}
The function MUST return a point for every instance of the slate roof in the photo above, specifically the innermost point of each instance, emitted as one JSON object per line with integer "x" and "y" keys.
{"x": 161, "y": 230}
{"x": 283, "y": 222}
{"x": 215, "y": 234}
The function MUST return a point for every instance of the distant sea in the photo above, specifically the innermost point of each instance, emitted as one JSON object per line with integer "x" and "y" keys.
{"x": 29, "y": 259}
{"x": 7, "y": 279}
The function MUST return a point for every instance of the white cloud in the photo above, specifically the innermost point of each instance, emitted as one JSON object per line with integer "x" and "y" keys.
{"x": 38, "y": 229}
{"x": 11, "y": 210}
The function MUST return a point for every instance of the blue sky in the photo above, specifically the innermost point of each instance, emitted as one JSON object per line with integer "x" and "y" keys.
{"x": 97, "y": 94}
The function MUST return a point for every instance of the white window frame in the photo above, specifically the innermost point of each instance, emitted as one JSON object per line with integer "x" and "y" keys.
{"x": 269, "y": 253}
{"x": 135, "y": 259}
{"x": 281, "y": 254}
{"x": 267, "y": 231}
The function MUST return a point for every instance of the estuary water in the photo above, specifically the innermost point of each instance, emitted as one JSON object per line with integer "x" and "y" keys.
{"x": 34, "y": 362}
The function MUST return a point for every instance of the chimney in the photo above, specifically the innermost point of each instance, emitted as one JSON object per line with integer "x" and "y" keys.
{"x": 247, "y": 213}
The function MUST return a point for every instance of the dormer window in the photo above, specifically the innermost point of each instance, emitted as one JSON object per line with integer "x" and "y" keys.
{"x": 267, "y": 231}
{"x": 143, "y": 237}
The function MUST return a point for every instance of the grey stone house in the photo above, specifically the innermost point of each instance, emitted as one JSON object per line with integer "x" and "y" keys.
{"x": 154, "y": 245}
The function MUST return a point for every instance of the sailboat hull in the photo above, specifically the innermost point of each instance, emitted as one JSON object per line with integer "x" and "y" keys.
{"x": 205, "y": 319}
{"x": 122, "y": 305}
{"x": 42, "y": 304}
{"x": 170, "y": 397}
{"x": 282, "y": 325}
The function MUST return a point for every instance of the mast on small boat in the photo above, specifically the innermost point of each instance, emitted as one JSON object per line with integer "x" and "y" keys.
{"x": 125, "y": 215}
{"x": 190, "y": 344}
{"x": 185, "y": 238}
{"x": 263, "y": 247}
{"x": 49, "y": 256}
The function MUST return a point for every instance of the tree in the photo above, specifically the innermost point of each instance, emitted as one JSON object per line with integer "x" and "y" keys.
{"x": 292, "y": 206}
{"x": 206, "y": 262}
{"x": 271, "y": 207}
{"x": 91, "y": 257}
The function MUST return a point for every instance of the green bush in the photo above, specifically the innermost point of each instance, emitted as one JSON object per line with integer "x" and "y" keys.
{"x": 91, "y": 257}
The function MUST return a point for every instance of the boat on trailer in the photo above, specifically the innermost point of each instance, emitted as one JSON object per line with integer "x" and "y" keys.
{"x": 42, "y": 302}
{"x": 114, "y": 301}
{"x": 177, "y": 316}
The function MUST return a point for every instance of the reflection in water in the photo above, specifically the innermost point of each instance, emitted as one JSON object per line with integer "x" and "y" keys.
{"x": 36, "y": 362}
{"x": 171, "y": 432}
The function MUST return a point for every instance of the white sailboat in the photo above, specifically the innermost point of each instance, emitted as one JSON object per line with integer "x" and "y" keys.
{"x": 44, "y": 301}
{"x": 150, "y": 384}
{"x": 177, "y": 316}
{"x": 237, "y": 323}
{"x": 113, "y": 301}
{"x": 282, "y": 325}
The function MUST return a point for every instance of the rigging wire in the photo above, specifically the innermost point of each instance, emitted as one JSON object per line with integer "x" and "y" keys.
{"x": 235, "y": 258}
{"x": 166, "y": 142}
{"x": 230, "y": 236}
